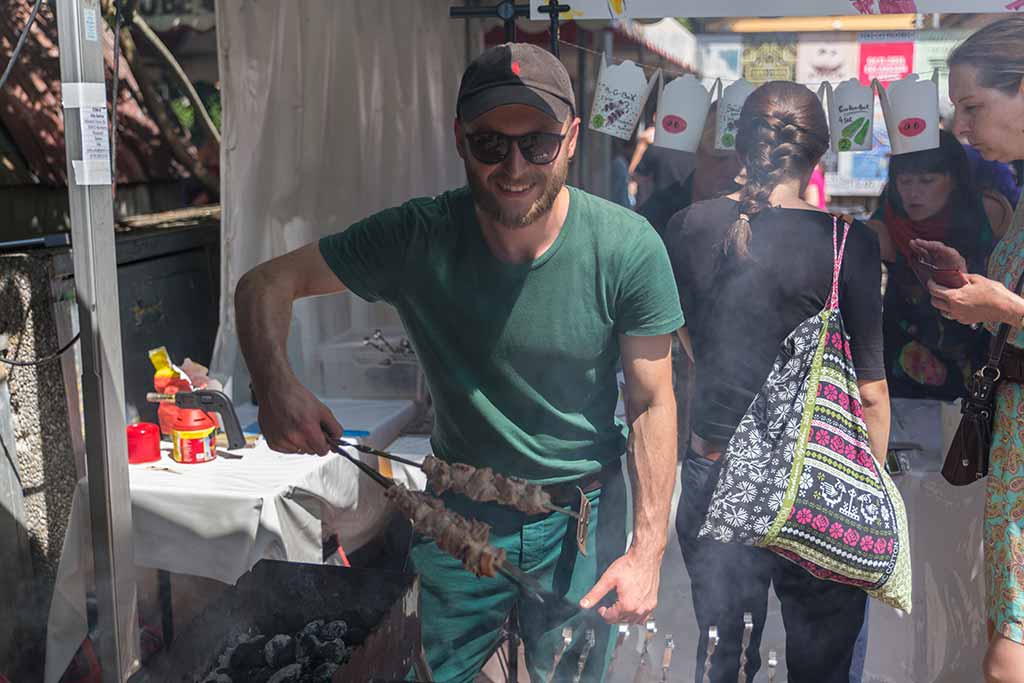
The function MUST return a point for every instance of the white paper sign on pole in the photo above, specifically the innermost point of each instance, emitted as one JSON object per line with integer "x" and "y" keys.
{"x": 851, "y": 116}
{"x": 911, "y": 110}
{"x": 730, "y": 104}
{"x": 621, "y": 93}
{"x": 682, "y": 110}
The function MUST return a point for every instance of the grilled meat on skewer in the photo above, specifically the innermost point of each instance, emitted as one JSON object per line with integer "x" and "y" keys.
{"x": 463, "y": 539}
{"x": 484, "y": 486}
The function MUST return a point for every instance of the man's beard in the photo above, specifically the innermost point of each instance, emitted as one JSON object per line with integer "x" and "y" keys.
{"x": 491, "y": 205}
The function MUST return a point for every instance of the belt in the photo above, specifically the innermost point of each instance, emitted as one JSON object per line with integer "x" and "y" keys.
{"x": 566, "y": 493}
{"x": 706, "y": 449}
{"x": 1011, "y": 365}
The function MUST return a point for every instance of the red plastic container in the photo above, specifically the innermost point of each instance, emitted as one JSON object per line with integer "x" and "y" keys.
{"x": 143, "y": 443}
{"x": 194, "y": 437}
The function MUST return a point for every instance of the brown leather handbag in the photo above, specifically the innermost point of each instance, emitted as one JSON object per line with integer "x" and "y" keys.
{"x": 967, "y": 459}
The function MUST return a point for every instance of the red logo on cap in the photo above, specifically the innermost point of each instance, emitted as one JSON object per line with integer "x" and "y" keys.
{"x": 515, "y": 68}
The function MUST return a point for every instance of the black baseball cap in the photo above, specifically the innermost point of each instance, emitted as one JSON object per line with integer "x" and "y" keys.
{"x": 516, "y": 73}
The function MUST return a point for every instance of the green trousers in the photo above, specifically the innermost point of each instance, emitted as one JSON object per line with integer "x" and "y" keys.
{"x": 463, "y": 615}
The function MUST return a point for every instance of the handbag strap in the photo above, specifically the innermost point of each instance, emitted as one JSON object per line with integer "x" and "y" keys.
{"x": 838, "y": 251}
{"x": 995, "y": 353}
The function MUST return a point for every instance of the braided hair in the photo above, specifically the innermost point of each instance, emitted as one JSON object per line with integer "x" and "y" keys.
{"x": 782, "y": 133}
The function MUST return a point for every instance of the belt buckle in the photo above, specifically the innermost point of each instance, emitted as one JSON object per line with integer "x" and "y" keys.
{"x": 583, "y": 523}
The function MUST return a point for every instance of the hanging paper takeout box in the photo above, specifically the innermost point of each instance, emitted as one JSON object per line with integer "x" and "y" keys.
{"x": 851, "y": 115}
{"x": 730, "y": 104}
{"x": 619, "y": 99}
{"x": 911, "y": 110}
{"x": 682, "y": 110}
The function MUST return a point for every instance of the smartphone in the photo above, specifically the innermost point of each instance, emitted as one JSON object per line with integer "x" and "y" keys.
{"x": 947, "y": 277}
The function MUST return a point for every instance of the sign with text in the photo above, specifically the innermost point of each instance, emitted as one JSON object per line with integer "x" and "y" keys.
{"x": 769, "y": 58}
{"x": 619, "y": 98}
{"x": 885, "y": 56}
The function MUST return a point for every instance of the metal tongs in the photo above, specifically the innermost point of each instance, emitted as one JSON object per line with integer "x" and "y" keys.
{"x": 557, "y": 608}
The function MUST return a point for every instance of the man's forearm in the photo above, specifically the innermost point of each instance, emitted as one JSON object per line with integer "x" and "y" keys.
{"x": 263, "y": 314}
{"x": 651, "y": 456}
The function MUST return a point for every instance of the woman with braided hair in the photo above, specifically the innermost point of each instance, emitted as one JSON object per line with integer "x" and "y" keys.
{"x": 750, "y": 267}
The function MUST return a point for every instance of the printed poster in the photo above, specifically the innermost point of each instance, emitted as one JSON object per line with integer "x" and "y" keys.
{"x": 832, "y": 57}
{"x": 885, "y": 55}
{"x": 770, "y": 57}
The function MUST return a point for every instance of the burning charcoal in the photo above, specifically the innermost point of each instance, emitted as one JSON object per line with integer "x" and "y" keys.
{"x": 334, "y": 630}
{"x": 223, "y": 661}
{"x": 260, "y": 675}
{"x": 313, "y": 628}
{"x": 290, "y": 674}
{"x": 307, "y": 646}
{"x": 333, "y": 651}
{"x": 324, "y": 673}
{"x": 279, "y": 651}
{"x": 248, "y": 654}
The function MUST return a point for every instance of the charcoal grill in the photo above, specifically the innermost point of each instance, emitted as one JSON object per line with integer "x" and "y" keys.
{"x": 381, "y": 608}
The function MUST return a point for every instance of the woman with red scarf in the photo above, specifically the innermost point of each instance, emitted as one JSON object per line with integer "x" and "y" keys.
{"x": 930, "y": 195}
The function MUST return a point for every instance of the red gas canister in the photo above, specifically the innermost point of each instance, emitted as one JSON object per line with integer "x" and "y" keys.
{"x": 167, "y": 413}
{"x": 194, "y": 436}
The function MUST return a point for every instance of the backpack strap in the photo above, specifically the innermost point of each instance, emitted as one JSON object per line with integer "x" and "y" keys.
{"x": 838, "y": 251}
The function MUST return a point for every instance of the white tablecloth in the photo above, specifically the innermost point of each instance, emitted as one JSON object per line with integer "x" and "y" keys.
{"x": 218, "y": 519}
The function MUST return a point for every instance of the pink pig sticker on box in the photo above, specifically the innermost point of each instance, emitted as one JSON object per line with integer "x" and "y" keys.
{"x": 682, "y": 109}
{"x": 911, "y": 110}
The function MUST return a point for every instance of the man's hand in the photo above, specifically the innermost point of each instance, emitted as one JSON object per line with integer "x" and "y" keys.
{"x": 979, "y": 301}
{"x": 939, "y": 255}
{"x": 635, "y": 581}
{"x": 293, "y": 420}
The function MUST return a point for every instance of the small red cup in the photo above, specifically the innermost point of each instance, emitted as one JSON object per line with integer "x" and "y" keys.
{"x": 143, "y": 442}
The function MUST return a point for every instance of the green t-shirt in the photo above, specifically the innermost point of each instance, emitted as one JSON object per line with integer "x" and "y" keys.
{"x": 520, "y": 359}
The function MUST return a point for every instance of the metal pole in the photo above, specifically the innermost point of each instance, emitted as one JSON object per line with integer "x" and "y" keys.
{"x": 80, "y": 29}
{"x": 581, "y": 95}
{"x": 607, "y": 151}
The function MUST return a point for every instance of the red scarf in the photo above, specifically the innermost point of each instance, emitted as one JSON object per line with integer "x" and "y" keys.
{"x": 902, "y": 229}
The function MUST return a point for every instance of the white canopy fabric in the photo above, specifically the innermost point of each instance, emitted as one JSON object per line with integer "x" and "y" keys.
{"x": 333, "y": 109}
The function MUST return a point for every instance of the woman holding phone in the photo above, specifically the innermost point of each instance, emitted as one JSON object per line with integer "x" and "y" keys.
{"x": 987, "y": 88}
{"x": 931, "y": 195}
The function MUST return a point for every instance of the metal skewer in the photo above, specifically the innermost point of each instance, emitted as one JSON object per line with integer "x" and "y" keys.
{"x": 370, "y": 450}
{"x": 566, "y": 640}
{"x": 643, "y": 667}
{"x": 588, "y": 645}
{"x": 748, "y": 629}
{"x": 623, "y": 634}
{"x": 712, "y": 646}
{"x": 666, "y": 659}
{"x": 555, "y": 606}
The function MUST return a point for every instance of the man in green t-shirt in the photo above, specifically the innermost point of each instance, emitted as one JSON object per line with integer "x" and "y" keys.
{"x": 521, "y": 296}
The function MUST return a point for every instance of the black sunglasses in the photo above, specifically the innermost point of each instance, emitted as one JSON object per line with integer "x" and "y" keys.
{"x": 489, "y": 147}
